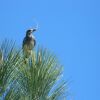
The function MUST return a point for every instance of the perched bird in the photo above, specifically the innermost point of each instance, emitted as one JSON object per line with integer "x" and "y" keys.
{"x": 29, "y": 43}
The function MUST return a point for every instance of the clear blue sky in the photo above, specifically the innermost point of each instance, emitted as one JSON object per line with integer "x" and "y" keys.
{"x": 69, "y": 28}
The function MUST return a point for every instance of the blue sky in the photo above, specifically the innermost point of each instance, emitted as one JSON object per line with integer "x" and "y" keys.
{"x": 69, "y": 28}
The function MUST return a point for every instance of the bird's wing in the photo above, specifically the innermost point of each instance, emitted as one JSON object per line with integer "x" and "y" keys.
{"x": 34, "y": 42}
{"x": 24, "y": 45}
{"x": 24, "y": 42}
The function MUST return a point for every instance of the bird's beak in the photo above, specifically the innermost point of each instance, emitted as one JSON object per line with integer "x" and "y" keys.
{"x": 33, "y": 30}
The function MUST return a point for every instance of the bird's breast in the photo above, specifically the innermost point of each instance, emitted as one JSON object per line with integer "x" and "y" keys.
{"x": 30, "y": 43}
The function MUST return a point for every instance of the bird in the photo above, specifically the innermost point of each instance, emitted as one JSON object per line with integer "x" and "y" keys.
{"x": 29, "y": 43}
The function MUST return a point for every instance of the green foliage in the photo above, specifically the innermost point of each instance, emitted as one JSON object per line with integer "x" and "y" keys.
{"x": 36, "y": 78}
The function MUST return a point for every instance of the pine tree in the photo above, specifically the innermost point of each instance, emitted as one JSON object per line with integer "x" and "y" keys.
{"x": 38, "y": 78}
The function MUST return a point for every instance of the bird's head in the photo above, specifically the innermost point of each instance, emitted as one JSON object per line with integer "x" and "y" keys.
{"x": 29, "y": 32}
